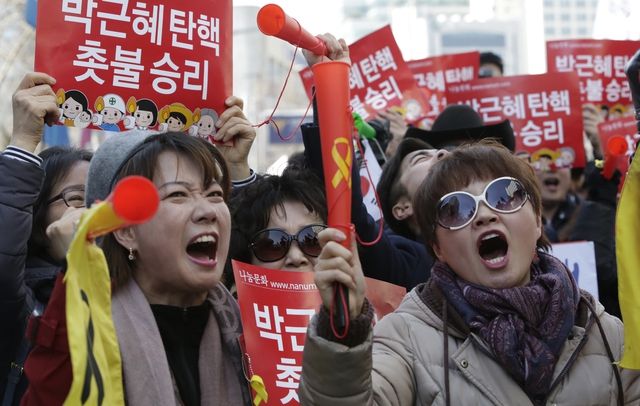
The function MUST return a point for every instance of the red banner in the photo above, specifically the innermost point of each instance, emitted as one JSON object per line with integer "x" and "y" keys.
{"x": 434, "y": 74}
{"x": 121, "y": 64}
{"x": 276, "y": 308}
{"x": 544, "y": 110}
{"x": 624, "y": 127}
{"x": 600, "y": 66}
{"x": 380, "y": 79}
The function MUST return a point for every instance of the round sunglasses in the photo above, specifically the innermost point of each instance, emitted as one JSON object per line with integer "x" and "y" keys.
{"x": 457, "y": 209}
{"x": 272, "y": 244}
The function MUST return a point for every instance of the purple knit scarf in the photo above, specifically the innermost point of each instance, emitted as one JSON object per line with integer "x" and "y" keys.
{"x": 525, "y": 326}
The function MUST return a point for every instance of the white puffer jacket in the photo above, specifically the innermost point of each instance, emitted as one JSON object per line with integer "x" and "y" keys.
{"x": 402, "y": 363}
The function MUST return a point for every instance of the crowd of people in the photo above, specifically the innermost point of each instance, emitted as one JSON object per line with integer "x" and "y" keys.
{"x": 490, "y": 316}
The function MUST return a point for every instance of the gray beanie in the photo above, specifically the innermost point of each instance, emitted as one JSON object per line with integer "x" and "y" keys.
{"x": 107, "y": 161}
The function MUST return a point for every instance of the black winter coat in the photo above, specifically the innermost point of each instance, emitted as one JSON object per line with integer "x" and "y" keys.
{"x": 23, "y": 279}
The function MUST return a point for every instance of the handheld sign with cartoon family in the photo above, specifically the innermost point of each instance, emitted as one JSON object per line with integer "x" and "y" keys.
{"x": 121, "y": 65}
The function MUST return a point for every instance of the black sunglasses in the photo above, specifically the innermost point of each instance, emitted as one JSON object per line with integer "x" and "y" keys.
{"x": 457, "y": 209}
{"x": 73, "y": 196}
{"x": 273, "y": 244}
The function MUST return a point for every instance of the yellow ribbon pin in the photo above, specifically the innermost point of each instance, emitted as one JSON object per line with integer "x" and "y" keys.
{"x": 257, "y": 384}
{"x": 344, "y": 165}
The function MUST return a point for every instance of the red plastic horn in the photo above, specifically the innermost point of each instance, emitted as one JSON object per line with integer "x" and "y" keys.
{"x": 273, "y": 21}
{"x": 332, "y": 96}
{"x": 616, "y": 148}
{"x": 133, "y": 201}
{"x": 334, "y": 114}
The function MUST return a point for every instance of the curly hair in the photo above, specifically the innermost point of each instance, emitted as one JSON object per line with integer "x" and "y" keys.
{"x": 251, "y": 208}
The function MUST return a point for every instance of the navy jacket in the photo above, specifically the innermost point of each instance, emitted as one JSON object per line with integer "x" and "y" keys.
{"x": 393, "y": 258}
{"x": 592, "y": 220}
{"x": 22, "y": 279}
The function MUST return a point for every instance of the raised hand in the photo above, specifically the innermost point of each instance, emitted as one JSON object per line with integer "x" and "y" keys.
{"x": 34, "y": 105}
{"x": 61, "y": 232}
{"x": 338, "y": 51}
{"x": 234, "y": 125}
{"x": 338, "y": 264}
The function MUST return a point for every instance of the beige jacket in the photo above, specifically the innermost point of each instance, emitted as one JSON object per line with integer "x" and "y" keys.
{"x": 403, "y": 364}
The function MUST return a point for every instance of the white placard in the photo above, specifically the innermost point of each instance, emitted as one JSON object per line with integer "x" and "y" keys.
{"x": 367, "y": 185}
{"x": 580, "y": 258}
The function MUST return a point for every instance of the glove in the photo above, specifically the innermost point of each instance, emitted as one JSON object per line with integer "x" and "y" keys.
{"x": 601, "y": 189}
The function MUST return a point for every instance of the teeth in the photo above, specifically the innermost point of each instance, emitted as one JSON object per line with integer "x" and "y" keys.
{"x": 488, "y": 236}
{"x": 205, "y": 238}
{"x": 496, "y": 260}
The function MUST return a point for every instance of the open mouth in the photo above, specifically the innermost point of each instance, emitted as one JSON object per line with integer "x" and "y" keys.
{"x": 551, "y": 182}
{"x": 493, "y": 248}
{"x": 203, "y": 248}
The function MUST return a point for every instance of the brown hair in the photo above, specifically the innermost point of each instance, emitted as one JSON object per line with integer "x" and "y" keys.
{"x": 484, "y": 160}
{"x": 144, "y": 162}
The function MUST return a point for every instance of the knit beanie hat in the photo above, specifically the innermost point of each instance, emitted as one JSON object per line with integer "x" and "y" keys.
{"x": 109, "y": 159}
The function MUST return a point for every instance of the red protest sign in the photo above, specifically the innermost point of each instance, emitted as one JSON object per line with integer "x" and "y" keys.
{"x": 623, "y": 127}
{"x": 544, "y": 110}
{"x": 599, "y": 65}
{"x": 307, "y": 81}
{"x": 434, "y": 74}
{"x": 379, "y": 79}
{"x": 121, "y": 64}
{"x": 276, "y": 307}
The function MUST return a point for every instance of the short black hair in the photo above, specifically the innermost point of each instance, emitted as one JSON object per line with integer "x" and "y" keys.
{"x": 390, "y": 190}
{"x": 148, "y": 105}
{"x": 490, "y": 57}
{"x": 251, "y": 208}
{"x": 179, "y": 116}
{"x": 78, "y": 96}
{"x": 57, "y": 162}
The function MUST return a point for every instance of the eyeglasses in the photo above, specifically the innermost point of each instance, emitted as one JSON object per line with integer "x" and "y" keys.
{"x": 73, "y": 196}
{"x": 457, "y": 209}
{"x": 273, "y": 244}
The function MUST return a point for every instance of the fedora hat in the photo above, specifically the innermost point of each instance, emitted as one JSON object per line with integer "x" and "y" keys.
{"x": 458, "y": 123}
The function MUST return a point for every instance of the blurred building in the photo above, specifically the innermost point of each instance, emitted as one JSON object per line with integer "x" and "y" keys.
{"x": 509, "y": 28}
{"x": 16, "y": 58}
{"x": 565, "y": 19}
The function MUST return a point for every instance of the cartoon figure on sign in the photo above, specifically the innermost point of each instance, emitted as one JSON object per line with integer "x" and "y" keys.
{"x": 205, "y": 126}
{"x": 72, "y": 106}
{"x": 617, "y": 111}
{"x": 111, "y": 109}
{"x": 413, "y": 109}
{"x": 176, "y": 117}
{"x": 566, "y": 158}
{"x": 543, "y": 159}
{"x": 83, "y": 119}
{"x": 524, "y": 155}
{"x": 144, "y": 113}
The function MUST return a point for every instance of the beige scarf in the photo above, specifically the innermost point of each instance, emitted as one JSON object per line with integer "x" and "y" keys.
{"x": 147, "y": 377}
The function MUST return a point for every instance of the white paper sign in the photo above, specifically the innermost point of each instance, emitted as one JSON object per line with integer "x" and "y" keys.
{"x": 580, "y": 258}
{"x": 367, "y": 185}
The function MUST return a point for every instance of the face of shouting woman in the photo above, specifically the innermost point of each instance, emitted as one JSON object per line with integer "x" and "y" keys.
{"x": 495, "y": 249}
{"x": 181, "y": 252}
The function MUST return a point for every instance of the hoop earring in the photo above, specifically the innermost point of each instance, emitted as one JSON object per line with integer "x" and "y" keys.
{"x": 132, "y": 257}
